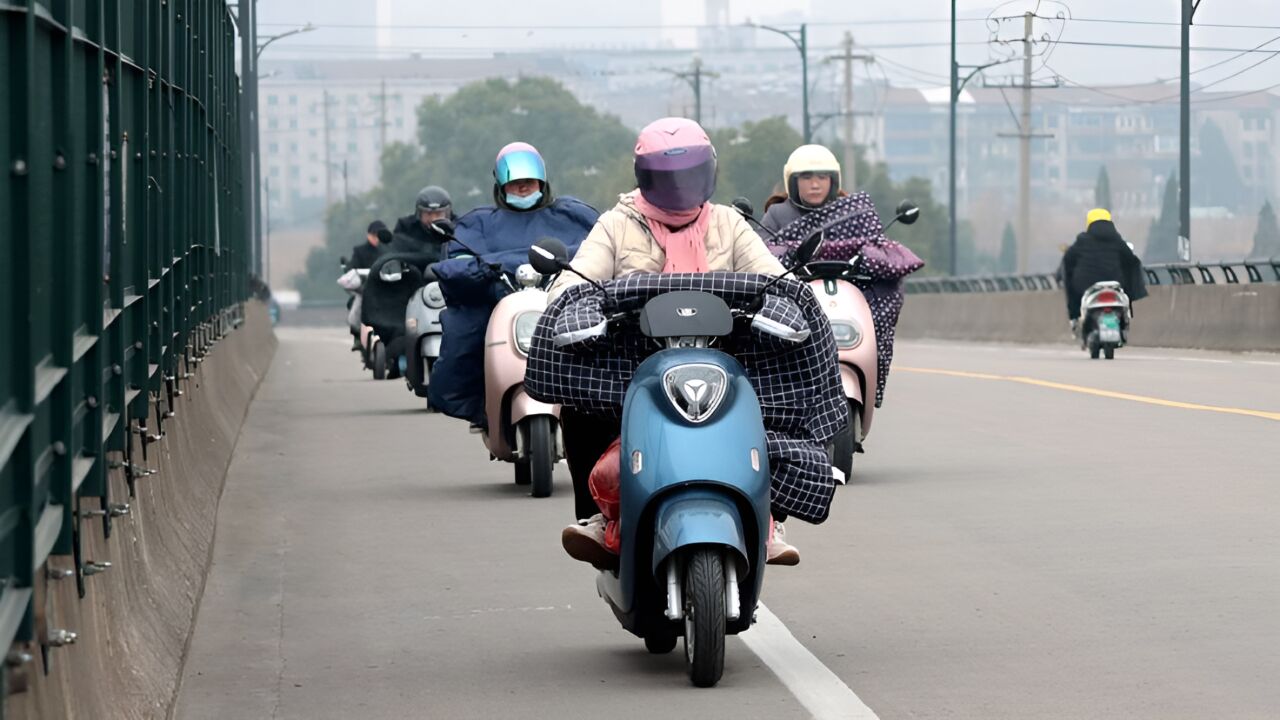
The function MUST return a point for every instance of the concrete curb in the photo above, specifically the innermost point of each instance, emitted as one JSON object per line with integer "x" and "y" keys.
{"x": 1237, "y": 318}
{"x": 135, "y": 619}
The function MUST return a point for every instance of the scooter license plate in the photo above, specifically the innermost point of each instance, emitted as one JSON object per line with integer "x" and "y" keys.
{"x": 1109, "y": 328}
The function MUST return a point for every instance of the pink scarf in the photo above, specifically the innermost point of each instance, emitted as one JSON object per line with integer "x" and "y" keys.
{"x": 681, "y": 235}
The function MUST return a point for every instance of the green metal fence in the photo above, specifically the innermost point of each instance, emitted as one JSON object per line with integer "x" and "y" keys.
{"x": 122, "y": 257}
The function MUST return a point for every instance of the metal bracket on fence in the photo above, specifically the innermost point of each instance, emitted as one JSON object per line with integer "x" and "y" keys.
{"x": 60, "y": 638}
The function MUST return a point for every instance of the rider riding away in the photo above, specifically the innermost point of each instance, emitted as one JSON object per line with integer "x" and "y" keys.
{"x": 1100, "y": 254}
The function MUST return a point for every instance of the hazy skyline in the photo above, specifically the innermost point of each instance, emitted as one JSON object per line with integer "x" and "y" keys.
{"x": 347, "y": 29}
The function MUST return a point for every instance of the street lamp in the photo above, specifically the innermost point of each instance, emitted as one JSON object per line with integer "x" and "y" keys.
{"x": 305, "y": 28}
{"x": 799, "y": 38}
{"x": 250, "y": 91}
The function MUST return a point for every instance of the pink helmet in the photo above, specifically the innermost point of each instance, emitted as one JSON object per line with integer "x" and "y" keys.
{"x": 675, "y": 164}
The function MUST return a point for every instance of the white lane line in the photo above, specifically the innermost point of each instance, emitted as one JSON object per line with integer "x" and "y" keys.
{"x": 1268, "y": 363}
{"x": 823, "y": 694}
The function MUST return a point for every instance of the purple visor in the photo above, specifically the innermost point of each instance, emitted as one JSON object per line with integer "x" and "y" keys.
{"x": 678, "y": 178}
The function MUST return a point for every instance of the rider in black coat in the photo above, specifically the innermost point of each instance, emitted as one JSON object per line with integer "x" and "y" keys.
{"x": 1100, "y": 254}
{"x": 413, "y": 233}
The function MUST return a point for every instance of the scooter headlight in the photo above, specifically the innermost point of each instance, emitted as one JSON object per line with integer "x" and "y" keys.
{"x": 695, "y": 389}
{"x": 848, "y": 336}
{"x": 432, "y": 296}
{"x": 525, "y": 324}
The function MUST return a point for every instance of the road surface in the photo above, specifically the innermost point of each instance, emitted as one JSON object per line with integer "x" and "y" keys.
{"x": 1031, "y": 535}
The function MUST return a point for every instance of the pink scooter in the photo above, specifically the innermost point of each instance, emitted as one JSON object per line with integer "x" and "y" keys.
{"x": 521, "y": 430}
{"x": 835, "y": 284}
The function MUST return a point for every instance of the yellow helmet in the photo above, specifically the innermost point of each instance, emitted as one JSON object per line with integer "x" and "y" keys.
{"x": 1095, "y": 215}
{"x": 811, "y": 159}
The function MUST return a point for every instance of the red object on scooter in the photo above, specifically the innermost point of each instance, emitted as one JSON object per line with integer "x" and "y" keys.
{"x": 605, "y": 483}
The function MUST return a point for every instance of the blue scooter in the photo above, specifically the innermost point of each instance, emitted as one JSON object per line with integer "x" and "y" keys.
{"x": 694, "y": 483}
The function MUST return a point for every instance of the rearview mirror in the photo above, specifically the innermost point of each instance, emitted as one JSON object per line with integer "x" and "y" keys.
{"x": 443, "y": 226}
{"x": 548, "y": 256}
{"x": 391, "y": 271}
{"x": 808, "y": 249}
{"x": 907, "y": 212}
{"x": 744, "y": 208}
{"x": 342, "y": 261}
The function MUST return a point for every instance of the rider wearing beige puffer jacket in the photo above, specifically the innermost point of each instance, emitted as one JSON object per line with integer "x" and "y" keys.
{"x": 621, "y": 243}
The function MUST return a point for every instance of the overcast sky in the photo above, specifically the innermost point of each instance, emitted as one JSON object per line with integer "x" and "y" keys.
{"x": 346, "y": 29}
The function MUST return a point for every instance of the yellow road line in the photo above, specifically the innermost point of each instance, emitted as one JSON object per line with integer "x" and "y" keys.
{"x": 1096, "y": 391}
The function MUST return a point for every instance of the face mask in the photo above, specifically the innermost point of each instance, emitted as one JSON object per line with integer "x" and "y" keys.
{"x": 524, "y": 203}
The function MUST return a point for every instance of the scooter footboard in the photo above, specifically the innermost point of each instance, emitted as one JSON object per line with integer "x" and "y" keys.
{"x": 698, "y": 517}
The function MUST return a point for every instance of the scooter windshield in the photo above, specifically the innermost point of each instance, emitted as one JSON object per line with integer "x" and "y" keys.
{"x": 686, "y": 313}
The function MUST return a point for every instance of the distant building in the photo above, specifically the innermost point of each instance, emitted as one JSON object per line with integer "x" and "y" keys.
{"x": 1132, "y": 131}
{"x": 366, "y": 104}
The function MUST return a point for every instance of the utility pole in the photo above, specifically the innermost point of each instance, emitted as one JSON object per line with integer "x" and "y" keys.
{"x": 951, "y": 172}
{"x": 1025, "y": 135}
{"x": 266, "y": 243}
{"x": 1024, "y": 150}
{"x": 382, "y": 117}
{"x": 850, "y": 156}
{"x": 694, "y": 77}
{"x": 804, "y": 80}
{"x": 1189, "y": 8}
{"x": 328, "y": 164}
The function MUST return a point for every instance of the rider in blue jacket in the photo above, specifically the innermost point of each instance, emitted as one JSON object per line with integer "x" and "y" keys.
{"x": 524, "y": 212}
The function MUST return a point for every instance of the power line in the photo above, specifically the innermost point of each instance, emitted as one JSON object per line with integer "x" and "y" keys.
{"x": 295, "y": 50}
{"x": 1166, "y": 23}
{"x": 534, "y": 28}
{"x": 1144, "y": 46}
{"x": 1224, "y": 62}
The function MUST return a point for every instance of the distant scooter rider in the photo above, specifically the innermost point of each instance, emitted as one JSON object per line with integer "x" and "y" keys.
{"x": 414, "y": 234}
{"x": 377, "y": 237}
{"x": 524, "y": 211}
{"x": 1100, "y": 254}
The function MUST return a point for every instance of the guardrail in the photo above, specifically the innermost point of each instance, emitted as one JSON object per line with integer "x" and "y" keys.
{"x": 1196, "y": 273}
{"x": 122, "y": 257}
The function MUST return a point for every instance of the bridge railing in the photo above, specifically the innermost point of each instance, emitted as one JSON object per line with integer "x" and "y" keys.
{"x": 122, "y": 260}
{"x": 1252, "y": 270}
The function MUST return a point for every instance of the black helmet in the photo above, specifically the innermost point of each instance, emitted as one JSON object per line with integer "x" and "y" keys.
{"x": 433, "y": 197}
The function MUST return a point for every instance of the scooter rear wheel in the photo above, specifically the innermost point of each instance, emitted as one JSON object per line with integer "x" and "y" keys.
{"x": 704, "y": 611}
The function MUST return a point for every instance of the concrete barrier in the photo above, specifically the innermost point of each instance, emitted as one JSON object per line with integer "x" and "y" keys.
{"x": 136, "y": 618}
{"x": 1237, "y": 318}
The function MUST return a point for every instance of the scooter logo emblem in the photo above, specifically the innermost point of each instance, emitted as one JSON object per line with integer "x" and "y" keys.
{"x": 695, "y": 391}
{"x": 686, "y": 312}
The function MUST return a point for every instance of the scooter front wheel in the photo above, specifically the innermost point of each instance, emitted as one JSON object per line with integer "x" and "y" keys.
{"x": 704, "y": 611}
{"x": 540, "y": 455}
{"x": 379, "y": 361}
{"x": 845, "y": 443}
